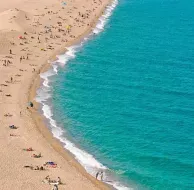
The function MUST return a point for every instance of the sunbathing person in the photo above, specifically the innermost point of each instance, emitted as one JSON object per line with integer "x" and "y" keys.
{"x": 37, "y": 155}
{"x": 42, "y": 168}
{"x": 59, "y": 180}
{"x": 8, "y": 115}
{"x": 28, "y": 149}
{"x": 12, "y": 135}
{"x": 31, "y": 167}
{"x": 36, "y": 168}
{"x": 56, "y": 182}
{"x": 12, "y": 127}
{"x": 46, "y": 179}
{"x": 53, "y": 182}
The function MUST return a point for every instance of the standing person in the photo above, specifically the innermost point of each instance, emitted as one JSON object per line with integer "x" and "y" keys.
{"x": 97, "y": 175}
{"x": 11, "y": 79}
{"x": 20, "y": 59}
{"x": 10, "y": 51}
{"x": 101, "y": 176}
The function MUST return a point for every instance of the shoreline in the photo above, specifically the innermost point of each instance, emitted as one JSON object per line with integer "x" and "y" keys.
{"x": 40, "y": 119}
{"x": 33, "y": 118}
{"x": 87, "y": 36}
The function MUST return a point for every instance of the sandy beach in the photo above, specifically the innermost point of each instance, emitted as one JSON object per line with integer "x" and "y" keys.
{"x": 31, "y": 33}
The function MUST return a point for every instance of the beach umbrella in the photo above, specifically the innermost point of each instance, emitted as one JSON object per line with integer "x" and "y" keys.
{"x": 68, "y": 27}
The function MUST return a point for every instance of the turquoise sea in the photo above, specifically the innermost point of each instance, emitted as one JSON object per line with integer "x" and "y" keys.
{"x": 123, "y": 102}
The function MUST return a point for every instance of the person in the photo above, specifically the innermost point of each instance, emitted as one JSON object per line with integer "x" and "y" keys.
{"x": 101, "y": 176}
{"x": 12, "y": 127}
{"x": 11, "y": 79}
{"x": 59, "y": 180}
{"x": 55, "y": 187}
{"x": 36, "y": 168}
{"x": 10, "y": 51}
{"x": 47, "y": 178}
{"x": 97, "y": 175}
{"x": 37, "y": 155}
{"x": 41, "y": 168}
{"x": 12, "y": 135}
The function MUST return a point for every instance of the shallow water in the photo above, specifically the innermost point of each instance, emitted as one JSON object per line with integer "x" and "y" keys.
{"x": 127, "y": 96}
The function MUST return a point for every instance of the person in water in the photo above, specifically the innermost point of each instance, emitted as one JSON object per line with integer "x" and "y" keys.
{"x": 99, "y": 174}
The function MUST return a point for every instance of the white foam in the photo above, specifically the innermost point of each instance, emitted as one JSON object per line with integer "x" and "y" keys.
{"x": 104, "y": 18}
{"x": 42, "y": 95}
{"x": 86, "y": 160}
{"x": 55, "y": 68}
{"x": 48, "y": 74}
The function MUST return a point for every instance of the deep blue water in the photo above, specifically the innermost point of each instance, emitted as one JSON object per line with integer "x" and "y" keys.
{"x": 128, "y": 96}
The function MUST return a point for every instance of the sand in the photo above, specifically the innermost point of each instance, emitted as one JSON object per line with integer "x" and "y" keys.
{"x": 31, "y": 33}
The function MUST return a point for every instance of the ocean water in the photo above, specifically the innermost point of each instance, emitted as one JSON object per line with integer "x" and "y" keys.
{"x": 122, "y": 101}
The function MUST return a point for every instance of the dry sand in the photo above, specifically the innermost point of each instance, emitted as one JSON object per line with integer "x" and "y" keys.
{"x": 35, "y": 31}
